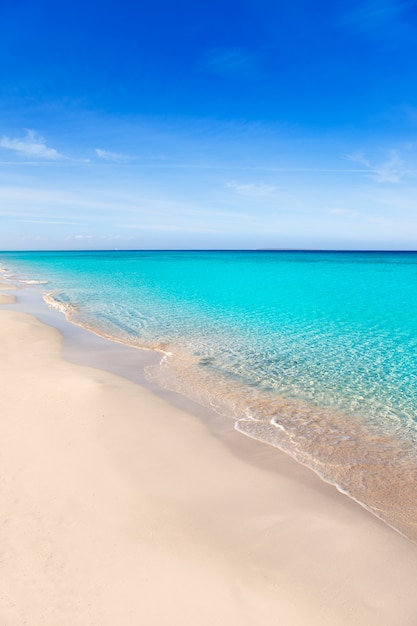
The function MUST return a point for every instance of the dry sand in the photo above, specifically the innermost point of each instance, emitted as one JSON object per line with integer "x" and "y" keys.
{"x": 119, "y": 509}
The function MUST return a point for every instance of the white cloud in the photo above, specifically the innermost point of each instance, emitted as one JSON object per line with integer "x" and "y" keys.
{"x": 32, "y": 145}
{"x": 83, "y": 236}
{"x": 253, "y": 190}
{"x": 115, "y": 157}
{"x": 390, "y": 171}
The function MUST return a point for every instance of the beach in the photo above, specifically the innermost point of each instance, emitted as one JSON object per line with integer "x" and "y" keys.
{"x": 120, "y": 508}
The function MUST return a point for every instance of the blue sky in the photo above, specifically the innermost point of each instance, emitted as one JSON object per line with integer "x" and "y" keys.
{"x": 217, "y": 125}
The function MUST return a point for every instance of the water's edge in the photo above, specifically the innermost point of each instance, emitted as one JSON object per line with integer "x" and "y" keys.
{"x": 145, "y": 369}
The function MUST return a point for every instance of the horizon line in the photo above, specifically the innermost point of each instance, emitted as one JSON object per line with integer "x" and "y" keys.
{"x": 389, "y": 250}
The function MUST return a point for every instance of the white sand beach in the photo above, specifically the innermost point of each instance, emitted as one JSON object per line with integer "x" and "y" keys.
{"x": 6, "y": 298}
{"x": 120, "y": 509}
{"x": 7, "y": 286}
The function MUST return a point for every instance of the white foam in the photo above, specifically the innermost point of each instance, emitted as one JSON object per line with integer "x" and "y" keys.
{"x": 275, "y": 423}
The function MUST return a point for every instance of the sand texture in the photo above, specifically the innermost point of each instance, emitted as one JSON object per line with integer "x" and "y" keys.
{"x": 119, "y": 509}
{"x": 6, "y": 298}
{"x": 7, "y": 286}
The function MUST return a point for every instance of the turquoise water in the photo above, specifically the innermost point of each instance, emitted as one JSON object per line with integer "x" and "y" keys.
{"x": 313, "y": 352}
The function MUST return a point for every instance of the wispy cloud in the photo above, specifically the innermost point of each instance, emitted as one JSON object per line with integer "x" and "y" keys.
{"x": 231, "y": 62}
{"x": 376, "y": 15}
{"x": 362, "y": 217}
{"x": 344, "y": 212}
{"x": 253, "y": 190}
{"x": 390, "y": 171}
{"x": 401, "y": 114}
{"x": 33, "y": 145}
{"x": 114, "y": 157}
{"x": 51, "y": 200}
{"x": 169, "y": 228}
{"x": 59, "y": 222}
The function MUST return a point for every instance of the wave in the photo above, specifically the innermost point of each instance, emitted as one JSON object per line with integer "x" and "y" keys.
{"x": 72, "y": 314}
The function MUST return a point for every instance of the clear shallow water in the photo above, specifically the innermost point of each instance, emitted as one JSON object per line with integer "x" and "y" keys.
{"x": 313, "y": 352}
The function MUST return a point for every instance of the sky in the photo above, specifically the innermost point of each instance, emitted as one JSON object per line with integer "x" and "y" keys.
{"x": 224, "y": 125}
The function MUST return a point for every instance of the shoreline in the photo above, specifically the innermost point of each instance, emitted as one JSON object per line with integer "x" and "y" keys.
{"x": 396, "y": 510}
{"x": 131, "y": 361}
{"x": 104, "y": 516}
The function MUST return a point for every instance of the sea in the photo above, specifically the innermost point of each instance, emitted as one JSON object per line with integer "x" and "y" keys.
{"x": 314, "y": 353}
